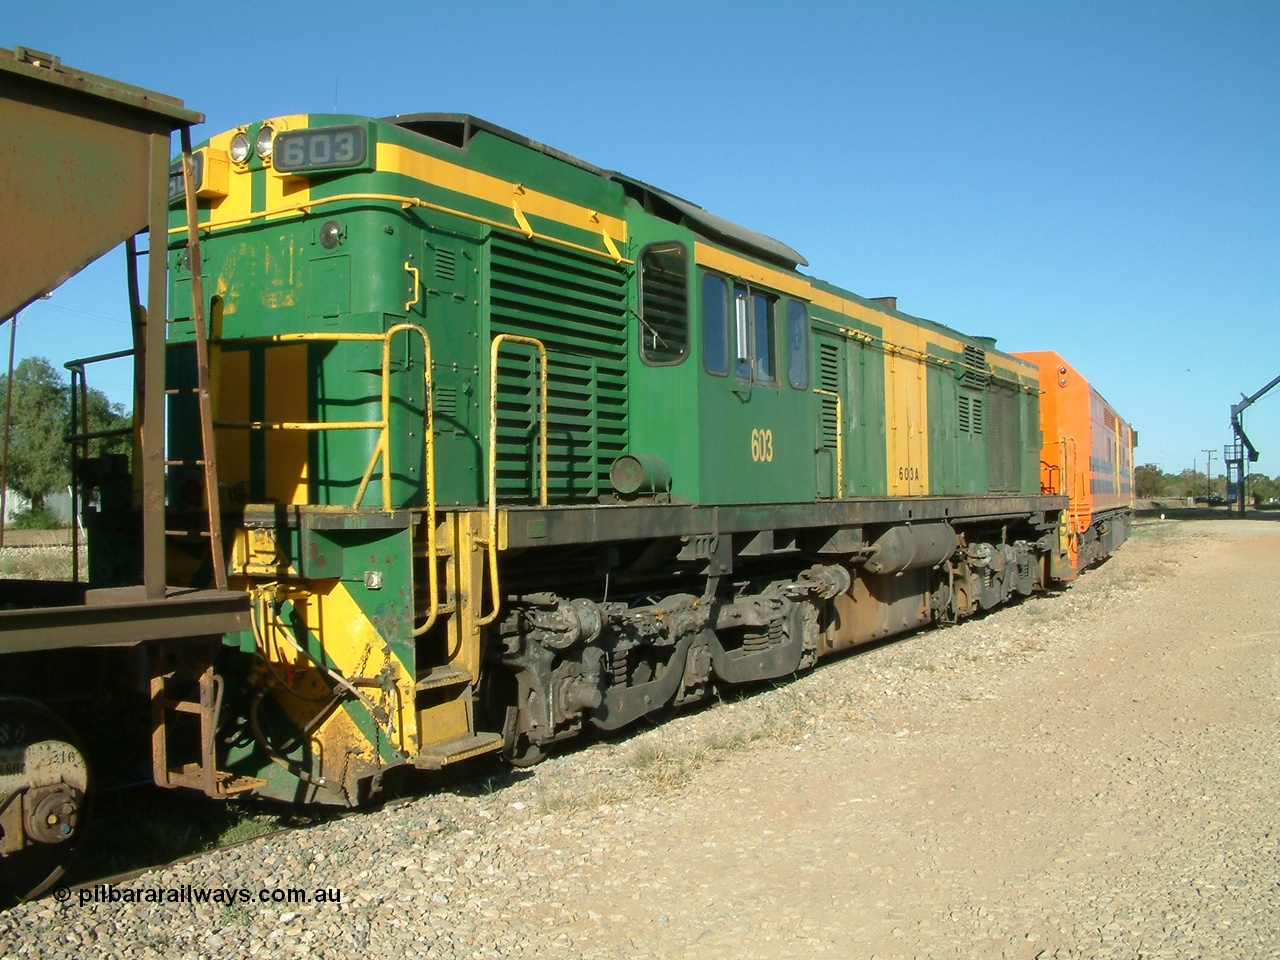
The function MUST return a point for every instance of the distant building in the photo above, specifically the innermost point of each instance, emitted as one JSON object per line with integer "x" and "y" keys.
{"x": 58, "y": 503}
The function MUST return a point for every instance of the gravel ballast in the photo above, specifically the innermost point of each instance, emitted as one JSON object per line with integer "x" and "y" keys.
{"x": 1089, "y": 774}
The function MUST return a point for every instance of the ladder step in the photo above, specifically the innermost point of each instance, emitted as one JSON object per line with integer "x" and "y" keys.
{"x": 443, "y": 677}
{"x": 184, "y": 463}
{"x": 175, "y": 391}
{"x": 230, "y": 783}
{"x": 227, "y": 783}
{"x": 442, "y": 553}
{"x": 188, "y": 534}
{"x": 444, "y": 610}
{"x": 182, "y": 706}
{"x": 442, "y": 754}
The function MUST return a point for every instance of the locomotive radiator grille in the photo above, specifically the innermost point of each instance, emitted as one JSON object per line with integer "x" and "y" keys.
{"x": 575, "y": 305}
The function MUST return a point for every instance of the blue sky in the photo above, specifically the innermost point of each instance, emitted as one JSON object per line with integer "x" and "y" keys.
{"x": 1102, "y": 179}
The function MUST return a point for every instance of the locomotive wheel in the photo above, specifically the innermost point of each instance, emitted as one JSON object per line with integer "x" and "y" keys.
{"x": 44, "y": 788}
{"x": 661, "y": 715}
{"x": 517, "y": 749}
{"x": 497, "y": 693}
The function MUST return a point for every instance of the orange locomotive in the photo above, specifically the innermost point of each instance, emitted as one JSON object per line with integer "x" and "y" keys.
{"x": 1088, "y": 456}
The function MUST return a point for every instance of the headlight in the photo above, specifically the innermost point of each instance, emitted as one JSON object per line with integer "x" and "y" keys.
{"x": 265, "y": 141}
{"x": 330, "y": 234}
{"x": 239, "y": 148}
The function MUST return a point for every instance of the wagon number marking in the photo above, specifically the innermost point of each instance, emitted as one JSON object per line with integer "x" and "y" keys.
{"x": 908, "y": 473}
{"x": 762, "y": 446}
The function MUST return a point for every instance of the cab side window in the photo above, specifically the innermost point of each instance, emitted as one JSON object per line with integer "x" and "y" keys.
{"x": 664, "y": 303}
{"x": 715, "y": 324}
{"x": 755, "y": 334}
{"x": 765, "y": 339}
{"x": 797, "y": 344}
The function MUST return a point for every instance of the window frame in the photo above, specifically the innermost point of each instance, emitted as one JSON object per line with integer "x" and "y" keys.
{"x": 751, "y": 360}
{"x": 733, "y": 287}
{"x": 803, "y": 353}
{"x": 725, "y": 343}
{"x": 641, "y": 324}
{"x": 771, "y": 302}
{"x": 742, "y": 353}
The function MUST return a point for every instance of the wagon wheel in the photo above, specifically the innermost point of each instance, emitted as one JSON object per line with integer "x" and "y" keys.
{"x": 44, "y": 784}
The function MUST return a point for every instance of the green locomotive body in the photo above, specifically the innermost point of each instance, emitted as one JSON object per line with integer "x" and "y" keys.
{"x": 508, "y": 445}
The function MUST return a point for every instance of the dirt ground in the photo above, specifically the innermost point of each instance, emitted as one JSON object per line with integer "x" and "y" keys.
{"x": 1091, "y": 774}
{"x": 1105, "y": 785}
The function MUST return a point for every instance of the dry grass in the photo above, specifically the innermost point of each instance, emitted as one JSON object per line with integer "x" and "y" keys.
{"x": 667, "y": 758}
{"x": 666, "y": 765}
{"x": 569, "y": 801}
{"x": 1162, "y": 531}
{"x": 775, "y": 718}
{"x": 38, "y": 563}
{"x": 1142, "y": 570}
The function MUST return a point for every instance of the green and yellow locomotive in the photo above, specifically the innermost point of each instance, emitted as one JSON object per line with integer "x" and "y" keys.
{"x": 506, "y": 446}
{"x": 469, "y": 446}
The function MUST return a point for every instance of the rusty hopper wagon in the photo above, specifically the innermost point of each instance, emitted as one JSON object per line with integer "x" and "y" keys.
{"x": 84, "y": 166}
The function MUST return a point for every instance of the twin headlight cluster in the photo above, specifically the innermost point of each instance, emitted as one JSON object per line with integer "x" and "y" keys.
{"x": 308, "y": 151}
{"x": 262, "y": 144}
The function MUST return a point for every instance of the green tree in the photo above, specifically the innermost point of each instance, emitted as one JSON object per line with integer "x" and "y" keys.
{"x": 106, "y": 416}
{"x": 1149, "y": 481}
{"x": 40, "y": 418}
{"x": 1263, "y": 489}
{"x": 1188, "y": 483}
{"x": 37, "y": 453}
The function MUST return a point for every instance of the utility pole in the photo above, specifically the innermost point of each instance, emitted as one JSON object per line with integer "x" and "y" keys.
{"x": 1209, "y": 471}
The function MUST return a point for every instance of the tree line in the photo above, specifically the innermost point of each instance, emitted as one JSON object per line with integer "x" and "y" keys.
{"x": 39, "y": 422}
{"x": 1152, "y": 483}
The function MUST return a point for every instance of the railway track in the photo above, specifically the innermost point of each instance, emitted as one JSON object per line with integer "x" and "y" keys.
{"x": 140, "y": 830}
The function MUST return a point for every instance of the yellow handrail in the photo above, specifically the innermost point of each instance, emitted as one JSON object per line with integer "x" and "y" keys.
{"x": 1076, "y": 489}
{"x": 382, "y": 448}
{"x": 491, "y": 543}
{"x": 417, "y": 282}
{"x": 839, "y": 439}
